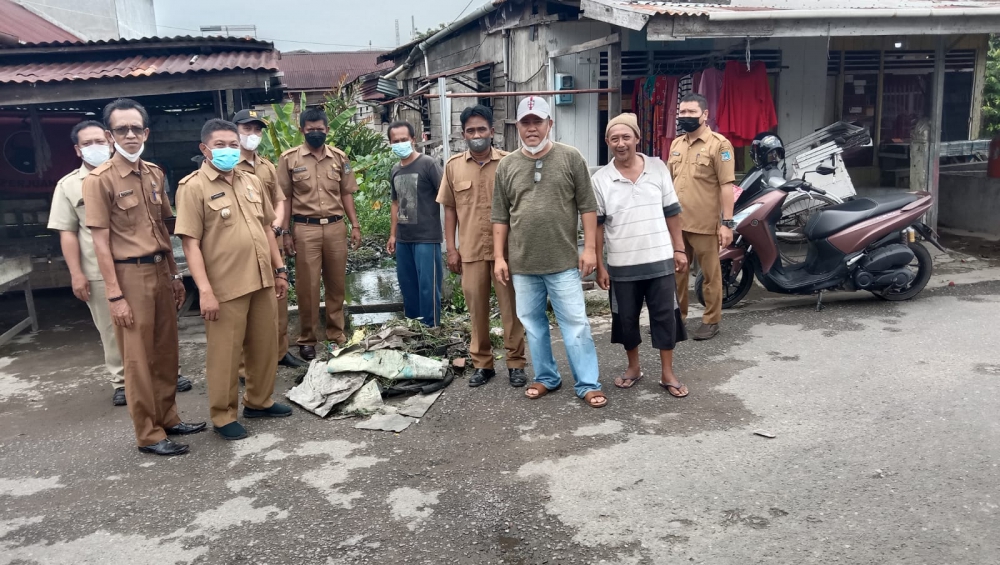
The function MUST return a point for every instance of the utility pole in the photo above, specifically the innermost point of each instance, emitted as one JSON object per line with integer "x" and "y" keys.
{"x": 397, "y": 32}
{"x": 413, "y": 27}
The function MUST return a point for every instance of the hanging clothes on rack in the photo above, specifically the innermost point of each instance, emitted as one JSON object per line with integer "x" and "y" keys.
{"x": 710, "y": 86}
{"x": 643, "y": 106}
{"x": 746, "y": 106}
{"x": 665, "y": 99}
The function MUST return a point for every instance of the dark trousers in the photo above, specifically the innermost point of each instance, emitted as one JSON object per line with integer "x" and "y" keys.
{"x": 420, "y": 270}
{"x": 664, "y": 314}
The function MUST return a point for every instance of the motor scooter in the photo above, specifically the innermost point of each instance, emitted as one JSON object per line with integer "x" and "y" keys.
{"x": 870, "y": 244}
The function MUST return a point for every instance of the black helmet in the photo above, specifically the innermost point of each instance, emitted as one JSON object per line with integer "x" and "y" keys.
{"x": 766, "y": 149}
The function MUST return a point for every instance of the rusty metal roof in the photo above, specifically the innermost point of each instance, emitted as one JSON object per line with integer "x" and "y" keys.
{"x": 323, "y": 71}
{"x": 25, "y": 25}
{"x": 653, "y": 7}
{"x": 55, "y": 62}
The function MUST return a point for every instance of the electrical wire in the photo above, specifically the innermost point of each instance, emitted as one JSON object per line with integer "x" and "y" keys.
{"x": 288, "y": 40}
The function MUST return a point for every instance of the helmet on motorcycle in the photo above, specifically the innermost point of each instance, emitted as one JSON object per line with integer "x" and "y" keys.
{"x": 766, "y": 149}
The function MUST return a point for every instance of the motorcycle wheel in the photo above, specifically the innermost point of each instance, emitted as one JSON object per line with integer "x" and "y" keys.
{"x": 734, "y": 287}
{"x": 924, "y": 266}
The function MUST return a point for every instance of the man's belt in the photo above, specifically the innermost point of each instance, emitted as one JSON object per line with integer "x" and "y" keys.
{"x": 147, "y": 260}
{"x": 317, "y": 221}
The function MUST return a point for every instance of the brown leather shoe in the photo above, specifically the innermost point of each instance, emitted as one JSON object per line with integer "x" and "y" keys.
{"x": 307, "y": 352}
{"x": 706, "y": 332}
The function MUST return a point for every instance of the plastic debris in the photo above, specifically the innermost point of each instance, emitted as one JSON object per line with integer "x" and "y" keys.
{"x": 386, "y": 423}
{"x": 388, "y": 364}
{"x": 763, "y": 433}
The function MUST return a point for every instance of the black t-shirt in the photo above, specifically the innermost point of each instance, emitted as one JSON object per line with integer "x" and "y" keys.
{"x": 415, "y": 188}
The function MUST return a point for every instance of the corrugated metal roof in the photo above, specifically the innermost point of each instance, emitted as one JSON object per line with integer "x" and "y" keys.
{"x": 179, "y": 41}
{"x": 136, "y": 66}
{"x": 707, "y": 8}
{"x": 18, "y": 21}
{"x": 316, "y": 71}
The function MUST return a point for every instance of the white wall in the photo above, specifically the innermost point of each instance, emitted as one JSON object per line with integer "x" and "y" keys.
{"x": 802, "y": 86}
{"x": 98, "y": 19}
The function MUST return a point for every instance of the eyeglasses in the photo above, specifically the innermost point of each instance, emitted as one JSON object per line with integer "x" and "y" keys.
{"x": 538, "y": 171}
{"x": 124, "y": 130}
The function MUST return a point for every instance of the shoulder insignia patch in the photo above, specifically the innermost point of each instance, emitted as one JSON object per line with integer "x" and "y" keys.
{"x": 347, "y": 167}
{"x": 726, "y": 155}
{"x": 187, "y": 178}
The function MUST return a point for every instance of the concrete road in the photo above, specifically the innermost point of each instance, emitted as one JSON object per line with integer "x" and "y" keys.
{"x": 886, "y": 451}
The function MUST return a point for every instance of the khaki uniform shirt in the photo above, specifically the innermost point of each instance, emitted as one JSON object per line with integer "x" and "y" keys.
{"x": 467, "y": 186}
{"x": 67, "y": 214}
{"x": 233, "y": 223}
{"x": 315, "y": 187}
{"x": 700, "y": 168}
{"x": 132, "y": 205}
{"x": 265, "y": 171}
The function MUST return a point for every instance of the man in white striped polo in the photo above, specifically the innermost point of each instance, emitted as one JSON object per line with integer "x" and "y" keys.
{"x": 639, "y": 213}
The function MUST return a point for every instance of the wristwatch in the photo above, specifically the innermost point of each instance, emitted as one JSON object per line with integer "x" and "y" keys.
{"x": 176, "y": 277}
{"x": 277, "y": 231}
{"x": 281, "y": 271}
{"x": 729, "y": 224}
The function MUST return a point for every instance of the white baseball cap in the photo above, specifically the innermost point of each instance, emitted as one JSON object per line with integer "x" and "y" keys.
{"x": 534, "y": 106}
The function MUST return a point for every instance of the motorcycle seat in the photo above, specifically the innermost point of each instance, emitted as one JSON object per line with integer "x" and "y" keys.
{"x": 833, "y": 219}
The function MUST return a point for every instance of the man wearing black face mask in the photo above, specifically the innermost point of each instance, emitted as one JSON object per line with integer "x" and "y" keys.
{"x": 319, "y": 185}
{"x": 701, "y": 163}
{"x": 467, "y": 194}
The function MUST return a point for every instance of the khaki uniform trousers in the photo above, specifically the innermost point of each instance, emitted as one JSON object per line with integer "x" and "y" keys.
{"x": 282, "y": 335}
{"x": 246, "y": 325}
{"x": 320, "y": 250}
{"x": 477, "y": 276}
{"x": 704, "y": 248}
{"x": 101, "y": 314}
{"x": 149, "y": 349}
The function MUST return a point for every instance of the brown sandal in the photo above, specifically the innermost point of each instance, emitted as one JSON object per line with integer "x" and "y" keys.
{"x": 677, "y": 388}
{"x": 541, "y": 389}
{"x": 595, "y": 394}
{"x": 628, "y": 382}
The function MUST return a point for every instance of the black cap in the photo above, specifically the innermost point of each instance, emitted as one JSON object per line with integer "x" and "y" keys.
{"x": 247, "y": 116}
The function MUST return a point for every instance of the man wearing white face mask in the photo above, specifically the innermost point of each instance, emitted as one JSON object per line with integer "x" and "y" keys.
{"x": 67, "y": 217}
{"x": 251, "y": 124}
{"x": 540, "y": 193}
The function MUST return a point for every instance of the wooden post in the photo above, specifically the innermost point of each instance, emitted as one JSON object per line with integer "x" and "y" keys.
{"x": 840, "y": 86}
{"x": 230, "y": 104}
{"x": 979, "y": 81}
{"x": 934, "y": 143}
{"x": 445, "y": 118}
{"x": 879, "y": 94}
{"x": 614, "y": 79}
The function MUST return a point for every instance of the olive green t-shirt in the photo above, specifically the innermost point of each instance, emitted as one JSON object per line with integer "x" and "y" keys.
{"x": 542, "y": 215}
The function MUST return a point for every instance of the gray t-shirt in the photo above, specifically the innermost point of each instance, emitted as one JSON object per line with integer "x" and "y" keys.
{"x": 542, "y": 215}
{"x": 415, "y": 187}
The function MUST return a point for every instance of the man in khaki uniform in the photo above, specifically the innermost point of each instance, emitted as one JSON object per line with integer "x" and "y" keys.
{"x": 703, "y": 169}
{"x": 224, "y": 220}
{"x": 126, "y": 207}
{"x": 319, "y": 185}
{"x": 467, "y": 194}
{"x": 250, "y": 125}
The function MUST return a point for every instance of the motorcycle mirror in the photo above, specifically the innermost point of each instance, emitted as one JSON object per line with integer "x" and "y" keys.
{"x": 824, "y": 170}
{"x": 775, "y": 182}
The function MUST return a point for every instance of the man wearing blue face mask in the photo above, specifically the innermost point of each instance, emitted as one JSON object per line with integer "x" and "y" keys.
{"x": 415, "y": 235}
{"x": 224, "y": 220}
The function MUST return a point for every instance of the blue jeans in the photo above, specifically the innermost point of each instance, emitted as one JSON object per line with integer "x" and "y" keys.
{"x": 566, "y": 293}
{"x": 420, "y": 270}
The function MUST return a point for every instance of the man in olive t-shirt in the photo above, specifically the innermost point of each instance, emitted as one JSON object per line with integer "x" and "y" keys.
{"x": 539, "y": 193}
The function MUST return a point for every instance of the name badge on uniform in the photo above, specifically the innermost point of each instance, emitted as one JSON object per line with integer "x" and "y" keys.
{"x": 250, "y": 193}
{"x": 300, "y": 169}
{"x": 217, "y": 195}
{"x": 125, "y": 193}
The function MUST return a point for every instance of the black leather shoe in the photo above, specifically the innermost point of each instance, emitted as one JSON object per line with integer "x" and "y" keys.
{"x": 232, "y": 431}
{"x": 119, "y": 398}
{"x": 183, "y": 384}
{"x": 274, "y": 411}
{"x": 518, "y": 378}
{"x": 183, "y": 429}
{"x": 481, "y": 377}
{"x": 292, "y": 361}
{"x": 165, "y": 447}
{"x": 307, "y": 352}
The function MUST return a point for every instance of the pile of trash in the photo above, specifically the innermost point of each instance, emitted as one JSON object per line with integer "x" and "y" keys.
{"x": 394, "y": 376}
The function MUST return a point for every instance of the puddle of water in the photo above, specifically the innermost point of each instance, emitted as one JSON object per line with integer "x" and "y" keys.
{"x": 373, "y": 286}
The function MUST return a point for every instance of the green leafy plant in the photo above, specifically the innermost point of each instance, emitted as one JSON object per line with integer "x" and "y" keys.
{"x": 991, "y": 89}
